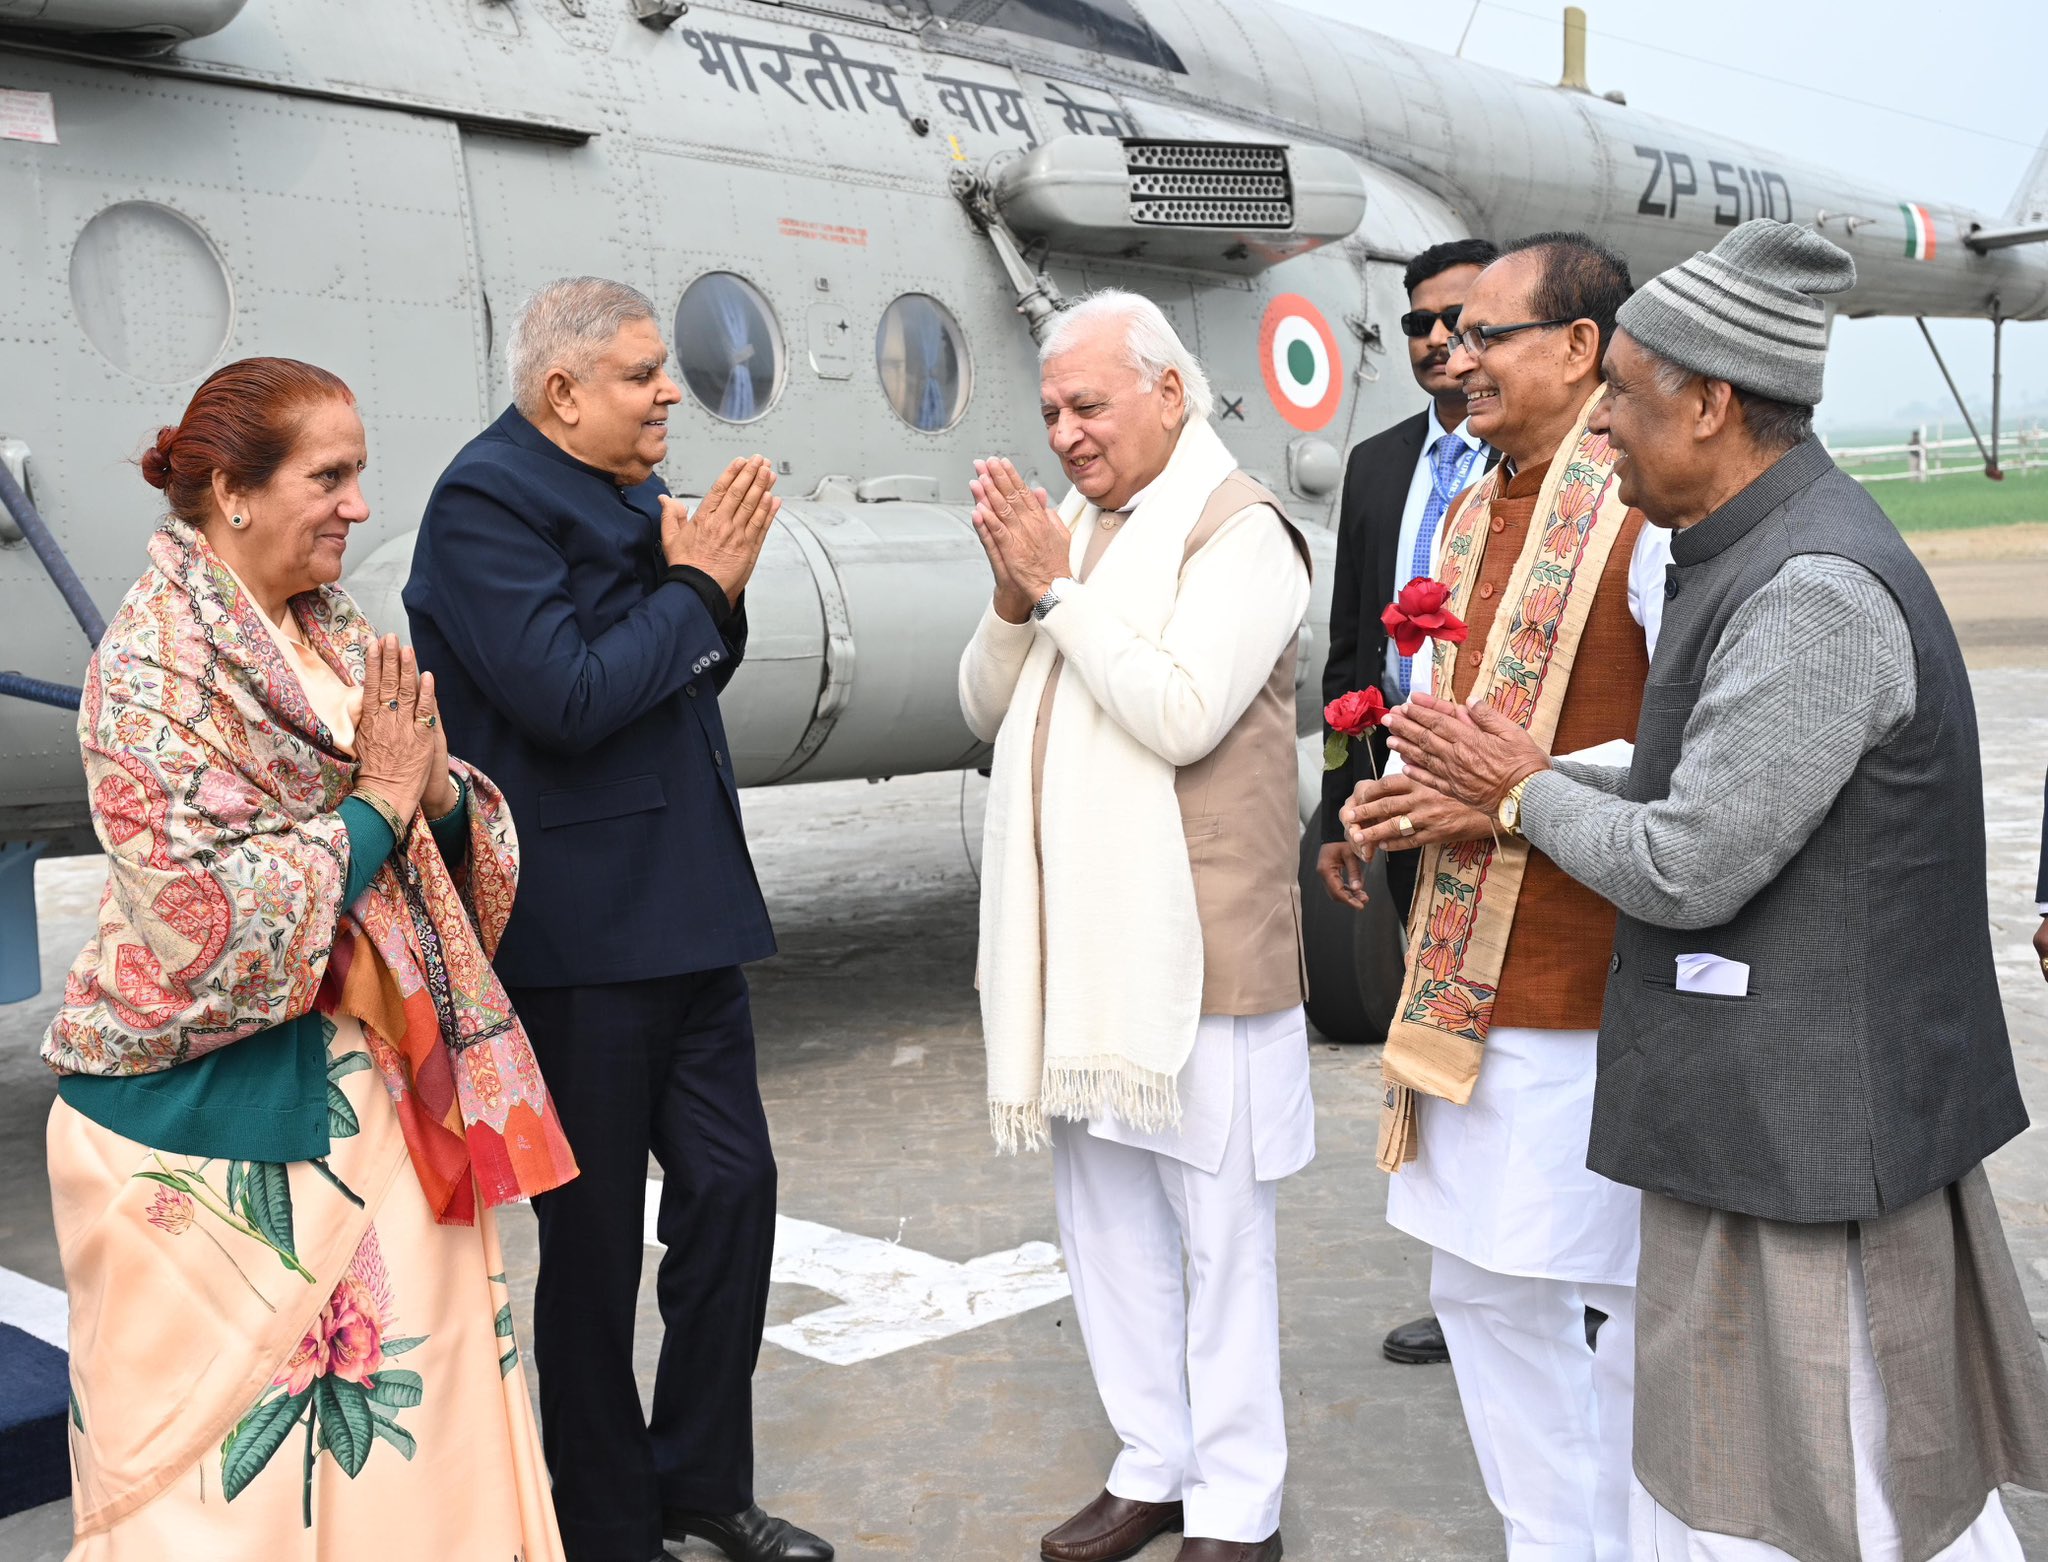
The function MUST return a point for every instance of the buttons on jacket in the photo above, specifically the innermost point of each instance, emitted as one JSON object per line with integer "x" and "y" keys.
{"x": 703, "y": 662}
{"x": 690, "y": 689}
{"x": 718, "y": 759}
{"x": 1486, "y": 590}
{"x": 1497, "y": 524}
{"x": 1613, "y": 964}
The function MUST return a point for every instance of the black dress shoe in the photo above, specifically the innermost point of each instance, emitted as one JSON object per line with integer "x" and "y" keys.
{"x": 750, "y": 1536}
{"x": 1417, "y": 1344}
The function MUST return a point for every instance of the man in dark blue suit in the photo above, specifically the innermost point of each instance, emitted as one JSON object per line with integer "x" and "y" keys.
{"x": 580, "y": 624}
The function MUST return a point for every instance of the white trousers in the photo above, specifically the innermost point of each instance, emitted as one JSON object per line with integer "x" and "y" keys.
{"x": 1552, "y": 1422}
{"x": 1658, "y": 1535}
{"x": 1176, "y": 1286}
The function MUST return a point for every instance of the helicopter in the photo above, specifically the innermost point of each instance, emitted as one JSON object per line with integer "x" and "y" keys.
{"x": 856, "y": 217}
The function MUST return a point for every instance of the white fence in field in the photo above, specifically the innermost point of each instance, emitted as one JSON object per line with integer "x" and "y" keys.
{"x": 1923, "y": 456}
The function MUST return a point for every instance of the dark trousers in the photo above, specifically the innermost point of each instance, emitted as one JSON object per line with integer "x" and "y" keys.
{"x": 666, "y": 1066}
{"x": 1403, "y": 869}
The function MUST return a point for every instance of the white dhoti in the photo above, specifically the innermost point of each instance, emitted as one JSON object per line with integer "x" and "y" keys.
{"x": 1170, "y": 1245}
{"x": 1526, "y": 1240}
{"x": 1658, "y": 1535}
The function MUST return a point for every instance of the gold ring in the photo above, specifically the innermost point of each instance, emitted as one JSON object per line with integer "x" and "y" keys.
{"x": 426, "y": 721}
{"x": 1405, "y": 825}
{"x": 391, "y": 705}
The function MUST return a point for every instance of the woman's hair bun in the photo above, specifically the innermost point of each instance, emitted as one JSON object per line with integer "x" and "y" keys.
{"x": 156, "y": 460}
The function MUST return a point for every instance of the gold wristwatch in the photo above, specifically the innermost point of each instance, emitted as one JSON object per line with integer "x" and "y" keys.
{"x": 1510, "y": 811}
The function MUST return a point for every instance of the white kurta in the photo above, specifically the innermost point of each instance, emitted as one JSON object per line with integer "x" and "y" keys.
{"x": 1502, "y": 1181}
{"x": 1281, "y": 1115}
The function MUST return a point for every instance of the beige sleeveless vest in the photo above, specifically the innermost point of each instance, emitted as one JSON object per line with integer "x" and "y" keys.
{"x": 1238, "y": 809}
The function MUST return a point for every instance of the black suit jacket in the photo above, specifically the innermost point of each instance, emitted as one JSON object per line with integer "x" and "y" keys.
{"x": 2041, "y": 884}
{"x": 584, "y": 681}
{"x": 1376, "y": 483}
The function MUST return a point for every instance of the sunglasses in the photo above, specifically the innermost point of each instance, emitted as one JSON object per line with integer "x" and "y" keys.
{"x": 1418, "y": 323}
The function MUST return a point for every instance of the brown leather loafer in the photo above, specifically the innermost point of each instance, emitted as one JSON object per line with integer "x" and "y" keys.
{"x": 1109, "y": 1529}
{"x": 1197, "y": 1548}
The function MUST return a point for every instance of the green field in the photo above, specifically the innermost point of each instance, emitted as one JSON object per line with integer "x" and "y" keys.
{"x": 1957, "y": 500}
{"x": 1949, "y": 503}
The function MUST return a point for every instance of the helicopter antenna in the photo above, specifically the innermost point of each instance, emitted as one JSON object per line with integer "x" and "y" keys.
{"x": 1467, "y": 33}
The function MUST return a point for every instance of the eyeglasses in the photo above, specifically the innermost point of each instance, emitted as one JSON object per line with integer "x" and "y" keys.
{"x": 1418, "y": 323}
{"x": 1476, "y": 339}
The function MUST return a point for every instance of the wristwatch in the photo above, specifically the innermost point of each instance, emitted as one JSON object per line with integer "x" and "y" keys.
{"x": 1510, "y": 812}
{"x": 1048, "y": 602}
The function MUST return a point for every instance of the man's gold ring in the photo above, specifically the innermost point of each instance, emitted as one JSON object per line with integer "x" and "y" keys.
{"x": 391, "y": 705}
{"x": 1405, "y": 825}
{"x": 427, "y": 721}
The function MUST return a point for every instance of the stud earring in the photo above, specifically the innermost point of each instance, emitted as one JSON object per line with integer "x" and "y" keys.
{"x": 238, "y": 521}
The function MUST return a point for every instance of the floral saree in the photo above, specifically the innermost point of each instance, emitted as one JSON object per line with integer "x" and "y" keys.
{"x": 315, "y": 1359}
{"x": 272, "y": 1363}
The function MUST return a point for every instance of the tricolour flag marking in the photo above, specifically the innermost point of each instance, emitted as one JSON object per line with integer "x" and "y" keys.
{"x": 1919, "y": 232}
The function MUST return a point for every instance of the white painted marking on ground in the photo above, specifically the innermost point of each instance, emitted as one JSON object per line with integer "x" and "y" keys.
{"x": 35, "y": 1308}
{"x": 893, "y": 1297}
{"x": 907, "y": 1055}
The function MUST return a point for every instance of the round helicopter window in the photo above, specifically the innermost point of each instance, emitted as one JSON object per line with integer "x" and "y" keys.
{"x": 151, "y": 292}
{"x": 922, "y": 359}
{"x": 729, "y": 347}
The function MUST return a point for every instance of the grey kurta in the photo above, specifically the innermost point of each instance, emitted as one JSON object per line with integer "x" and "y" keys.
{"x": 1742, "y": 1370}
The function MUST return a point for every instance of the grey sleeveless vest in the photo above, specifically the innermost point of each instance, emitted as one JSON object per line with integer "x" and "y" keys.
{"x": 1869, "y": 1063}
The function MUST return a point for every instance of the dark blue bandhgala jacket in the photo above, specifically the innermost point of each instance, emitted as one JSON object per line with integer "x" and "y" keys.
{"x": 586, "y": 686}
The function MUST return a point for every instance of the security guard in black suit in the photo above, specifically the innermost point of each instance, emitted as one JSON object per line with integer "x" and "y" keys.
{"x": 1387, "y": 481}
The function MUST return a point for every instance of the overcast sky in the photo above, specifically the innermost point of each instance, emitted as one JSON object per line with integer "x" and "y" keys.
{"x": 1975, "y": 64}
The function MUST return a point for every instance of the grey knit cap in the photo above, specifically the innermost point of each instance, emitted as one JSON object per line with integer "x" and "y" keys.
{"x": 1748, "y": 311}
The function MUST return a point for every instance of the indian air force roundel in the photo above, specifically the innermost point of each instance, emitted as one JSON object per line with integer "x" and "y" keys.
{"x": 1298, "y": 354}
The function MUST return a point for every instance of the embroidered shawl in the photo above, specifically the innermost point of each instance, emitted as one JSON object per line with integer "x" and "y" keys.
{"x": 1466, "y": 891}
{"x": 214, "y": 788}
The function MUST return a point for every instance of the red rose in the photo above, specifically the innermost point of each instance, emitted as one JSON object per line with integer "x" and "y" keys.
{"x": 1356, "y": 713}
{"x": 1419, "y": 614}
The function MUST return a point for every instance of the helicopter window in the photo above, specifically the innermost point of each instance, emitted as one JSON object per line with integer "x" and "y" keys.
{"x": 1111, "y": 27}
{"x": 922, "y": 360}
{"x": 151, "y": 292}
{"x": 729, "y": 346}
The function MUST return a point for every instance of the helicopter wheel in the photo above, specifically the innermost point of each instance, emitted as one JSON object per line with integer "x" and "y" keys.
{"x": 1354, "y": 958}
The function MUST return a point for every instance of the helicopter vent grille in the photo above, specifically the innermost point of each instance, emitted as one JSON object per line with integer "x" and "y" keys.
{"x": 1209, "y": 184}
{"x": 1211, "y": 187}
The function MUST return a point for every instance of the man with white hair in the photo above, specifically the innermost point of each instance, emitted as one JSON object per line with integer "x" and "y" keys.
{"x": 1141, "y": 978}
{"x": 580, "y": 624}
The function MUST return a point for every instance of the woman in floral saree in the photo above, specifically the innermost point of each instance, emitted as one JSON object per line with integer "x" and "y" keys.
{"x": 292, "y": 1089}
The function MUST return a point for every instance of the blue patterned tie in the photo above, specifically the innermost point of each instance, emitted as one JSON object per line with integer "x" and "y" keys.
{"x": 1450, "y": 460}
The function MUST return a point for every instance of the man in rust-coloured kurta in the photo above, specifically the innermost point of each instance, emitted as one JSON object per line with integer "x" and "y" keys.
{"x": 1530, "y": 1247}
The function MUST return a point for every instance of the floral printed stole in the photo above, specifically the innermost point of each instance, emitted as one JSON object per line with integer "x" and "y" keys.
{"x": 1466, "y": 891}
{"x": 214, "y": 786}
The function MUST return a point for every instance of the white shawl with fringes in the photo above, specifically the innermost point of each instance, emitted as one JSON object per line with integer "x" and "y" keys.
{"x": 1104, "y": 1016}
